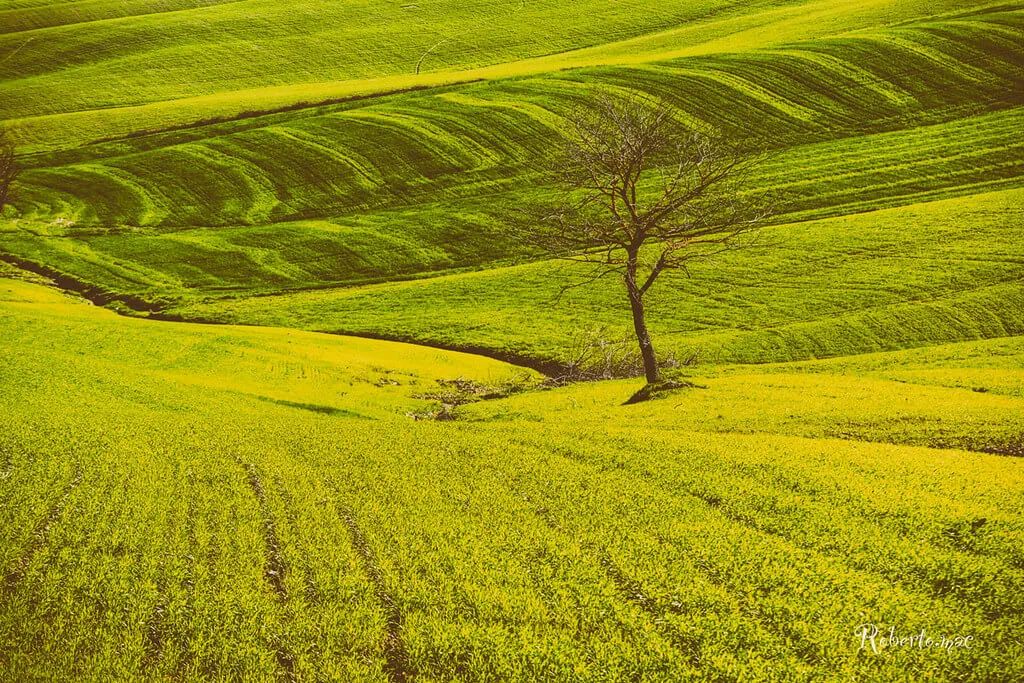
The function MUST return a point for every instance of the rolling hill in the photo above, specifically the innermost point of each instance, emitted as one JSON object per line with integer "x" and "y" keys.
{"x": 278, "y": 514}
{"x": 304, "y": 430}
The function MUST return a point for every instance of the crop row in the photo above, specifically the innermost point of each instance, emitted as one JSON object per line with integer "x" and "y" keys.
{"x": 214, "y": 535}
{"x": 854, "y": 284}
{"x": 850, "y": 175}
{"x": 408, "y": 148}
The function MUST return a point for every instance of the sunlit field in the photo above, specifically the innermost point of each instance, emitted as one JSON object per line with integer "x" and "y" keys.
{"x": 284, "y": 396}
{"x": 243, "y": 502}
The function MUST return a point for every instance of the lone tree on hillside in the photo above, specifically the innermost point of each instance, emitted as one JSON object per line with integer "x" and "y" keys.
{"x": 9, "y": 168}
{"x": 644, "y": 195}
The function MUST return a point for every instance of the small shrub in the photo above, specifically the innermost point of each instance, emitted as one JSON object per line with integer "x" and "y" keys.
{"x": 460, "y": 391}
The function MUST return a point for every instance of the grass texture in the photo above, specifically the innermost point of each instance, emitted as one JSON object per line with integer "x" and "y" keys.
{"x": 256, "y": 499}
{"x": 349, "y": 541}
{"x": 948, "y": 270}
{"x": 125, "y": 66}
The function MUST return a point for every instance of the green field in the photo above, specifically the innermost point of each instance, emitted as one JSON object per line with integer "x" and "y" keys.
{"x": 276, "y": 395}
{"x": 279, "y": 511}
{"x": 120, "y": 74}
{"x": 866, "y": 282}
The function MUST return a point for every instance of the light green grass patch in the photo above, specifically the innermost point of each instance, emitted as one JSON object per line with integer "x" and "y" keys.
{"x": 642, "y": 539}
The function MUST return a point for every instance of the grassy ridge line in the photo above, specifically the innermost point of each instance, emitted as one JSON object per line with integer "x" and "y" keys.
{"x": 853, "y": 284}
{"x": 371, "y": 154}
{"x": 223, "y": 43}
{"x": 497, "y": 565}
{"x": 24, "y": 18}
{"x": 276, "y": 364}
{"x": 39, "y": 131}
{"x": 982, "y": 383}
{"x": 976, "y": 154}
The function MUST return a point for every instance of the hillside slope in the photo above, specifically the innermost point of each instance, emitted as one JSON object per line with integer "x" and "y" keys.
{"x": 120, "y": 67}
{"x": 420, "y": 183}
{"x": 933, "y": 272}
{"x": 193, "y": 501}
{"x": 262, "y": 498}
{"x": 474, "y": 139}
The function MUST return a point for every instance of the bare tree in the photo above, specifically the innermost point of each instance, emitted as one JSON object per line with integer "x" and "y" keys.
{"x": 644, "y": 195}
{"x": 9, "y": 168}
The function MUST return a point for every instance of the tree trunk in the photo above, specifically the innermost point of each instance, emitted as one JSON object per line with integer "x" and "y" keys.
{"x": 643, "y": 337}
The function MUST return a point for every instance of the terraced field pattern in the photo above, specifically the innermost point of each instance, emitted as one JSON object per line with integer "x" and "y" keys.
{"x": 258, "y": 248}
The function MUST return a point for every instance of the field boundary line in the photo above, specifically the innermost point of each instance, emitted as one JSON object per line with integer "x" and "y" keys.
{"x": 396, "y": 658}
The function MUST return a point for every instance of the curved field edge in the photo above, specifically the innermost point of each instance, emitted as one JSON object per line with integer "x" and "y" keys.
{"x": 618, "y": 526}
{"x": 833, "y": 287}
{"x": 487, "y": 138}
{"x": 110, "y": 99}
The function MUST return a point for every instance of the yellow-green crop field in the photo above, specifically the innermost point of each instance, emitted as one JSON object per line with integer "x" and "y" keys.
{"x": 278, "y": 393}
{"x": 193, "y": 501}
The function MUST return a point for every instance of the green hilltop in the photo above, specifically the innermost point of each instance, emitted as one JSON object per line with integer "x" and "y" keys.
{"x": 410, "y": 186}
{"x": 408, "y": 497}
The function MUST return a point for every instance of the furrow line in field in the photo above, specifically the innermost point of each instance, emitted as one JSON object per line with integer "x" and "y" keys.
{"x": 629, "y": 588}
{"x": 275, "y": 569}
{"x": 396, "y": 658}
{"x": 41, "y": 532}
{"x": 188, "y": 582}
{"x": 312, "y": 592}
{"x": 1010, "y": 448}
{"x": 6, "y": 459}
{"x": 155, "y": 626}
{"x": 634, "y": 591}
{"x": 714, "y": 502}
